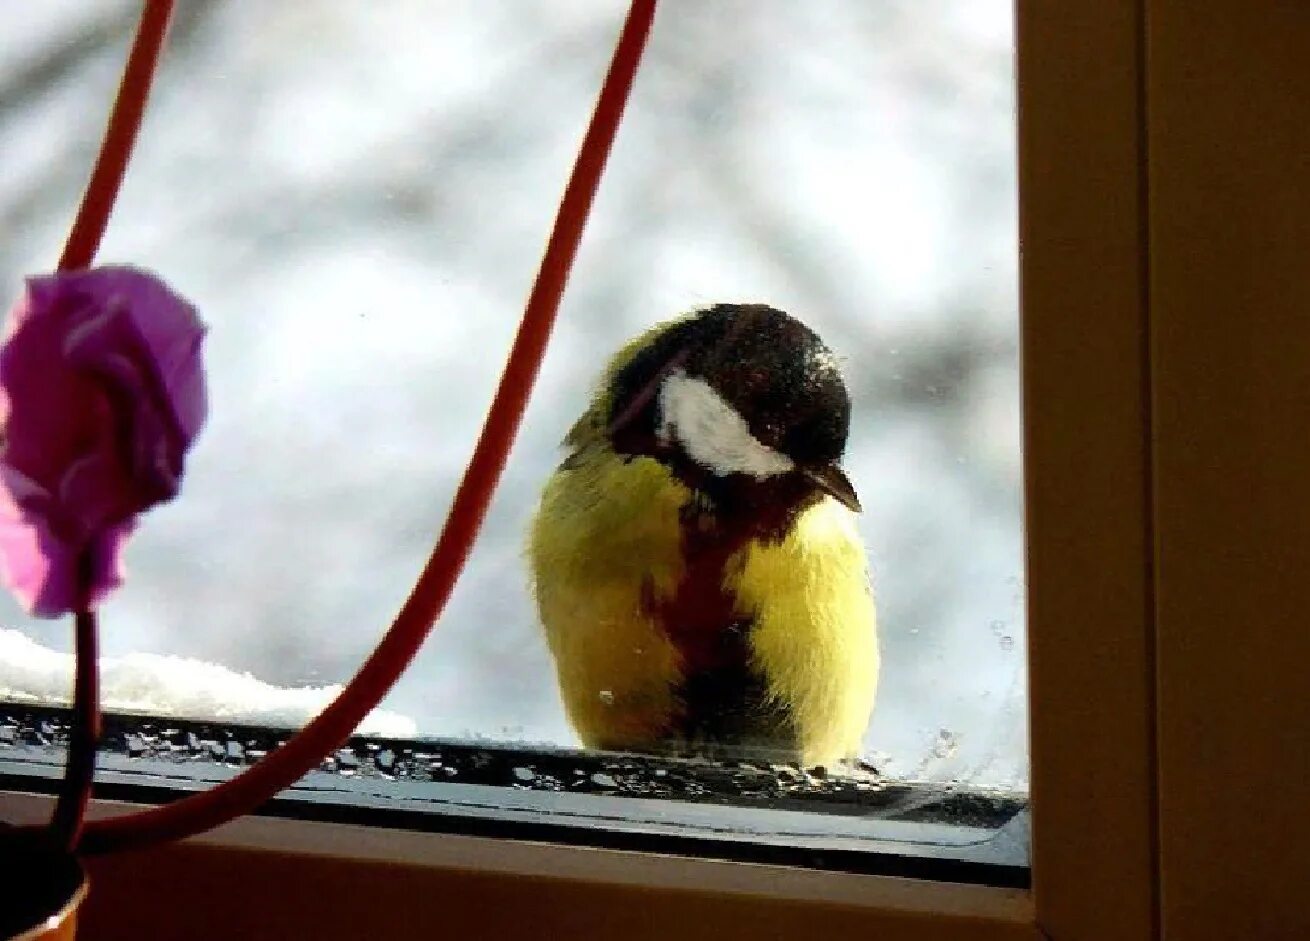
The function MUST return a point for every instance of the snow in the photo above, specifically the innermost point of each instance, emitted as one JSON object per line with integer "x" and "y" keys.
{"x": 175, "y": 687}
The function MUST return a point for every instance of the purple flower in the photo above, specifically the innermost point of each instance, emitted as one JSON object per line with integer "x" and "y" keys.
{"x": 102, "y": 392}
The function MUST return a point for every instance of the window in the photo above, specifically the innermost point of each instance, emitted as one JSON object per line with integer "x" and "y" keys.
{"x": 357, "y": 207}
{"x": 1137, "y": 681}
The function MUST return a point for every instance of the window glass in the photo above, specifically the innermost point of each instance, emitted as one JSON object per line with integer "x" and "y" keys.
{"x": 356, "y": 197}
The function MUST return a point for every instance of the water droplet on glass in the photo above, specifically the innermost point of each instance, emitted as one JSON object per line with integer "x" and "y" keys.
{"x": 946, "y": 744}
{"x": 1007, "y": 643}
{"x": 998, "y": 628}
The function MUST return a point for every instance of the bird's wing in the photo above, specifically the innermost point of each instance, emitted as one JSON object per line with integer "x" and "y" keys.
{"x": 604, "y": 541}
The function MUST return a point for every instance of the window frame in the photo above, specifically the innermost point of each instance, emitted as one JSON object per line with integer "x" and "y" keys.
{"x": 1230, "y": 231}
{"x": 1086, "y": 353}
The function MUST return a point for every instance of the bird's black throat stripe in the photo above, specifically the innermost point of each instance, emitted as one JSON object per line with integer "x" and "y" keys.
{"x": 725, "y": 709}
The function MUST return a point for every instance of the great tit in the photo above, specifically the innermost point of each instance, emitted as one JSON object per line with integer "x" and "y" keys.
{"x": 695, "y": 559}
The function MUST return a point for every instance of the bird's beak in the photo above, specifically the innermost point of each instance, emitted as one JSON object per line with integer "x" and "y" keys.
{"x": 833, "y": 481}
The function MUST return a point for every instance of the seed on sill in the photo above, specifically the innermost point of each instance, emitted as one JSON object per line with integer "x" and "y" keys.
{"x": 347, "y": 760}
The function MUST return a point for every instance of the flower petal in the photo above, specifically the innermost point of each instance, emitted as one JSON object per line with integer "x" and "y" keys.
{"x": 143, "y": 446}
{"x": 37, "y": 566}
{"x": 50, "y": 409}
{"x": 169, "y": 328}
{"x": 101, "y": 394}
{"x": 40, "y": 567}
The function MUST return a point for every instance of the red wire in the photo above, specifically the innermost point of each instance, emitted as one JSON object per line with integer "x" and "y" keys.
{"x": 244, "y": 793}
{"x": 83, "y": 240}
{"x": 115, "y": 150}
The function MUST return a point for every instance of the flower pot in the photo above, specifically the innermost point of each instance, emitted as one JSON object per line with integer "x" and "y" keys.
{"x": 41, "y": 888}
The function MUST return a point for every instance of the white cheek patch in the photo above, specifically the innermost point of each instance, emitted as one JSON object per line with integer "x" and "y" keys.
{"x": 711, "y": 431}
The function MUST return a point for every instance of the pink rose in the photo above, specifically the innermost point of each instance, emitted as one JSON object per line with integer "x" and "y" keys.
{"x": 102, "y": 392}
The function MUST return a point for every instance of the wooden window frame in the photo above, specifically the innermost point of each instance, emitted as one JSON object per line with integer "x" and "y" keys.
{"x": 1158, "y": 153}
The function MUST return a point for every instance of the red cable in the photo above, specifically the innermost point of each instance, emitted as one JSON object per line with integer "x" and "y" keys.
{"x": 83, "y": 240}
{"x": 124, "y": 122}
{"x": 245, "y": 792}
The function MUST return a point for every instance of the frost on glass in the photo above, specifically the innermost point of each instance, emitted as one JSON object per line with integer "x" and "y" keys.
{"x": 357, "y": 198}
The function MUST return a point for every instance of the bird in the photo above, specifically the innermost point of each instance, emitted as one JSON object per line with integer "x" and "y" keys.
{"x": 695, "y": 559}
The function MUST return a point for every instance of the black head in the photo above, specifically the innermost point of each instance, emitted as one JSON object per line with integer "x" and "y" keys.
{"x": 737, "y": 393}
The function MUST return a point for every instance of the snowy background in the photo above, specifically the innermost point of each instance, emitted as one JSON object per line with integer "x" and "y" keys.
{"x": 356, "y": 197}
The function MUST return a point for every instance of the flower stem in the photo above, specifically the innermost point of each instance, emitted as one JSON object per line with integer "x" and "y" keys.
{"x": 120, "y": 136}
{"x": 245, "y": 792}
{"x": 79, "y": 251}
{"x": 80, "y": 764}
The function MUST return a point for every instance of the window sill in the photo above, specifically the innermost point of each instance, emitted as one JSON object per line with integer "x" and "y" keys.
{"x": 744, "y": 813}
{"x": 267, "y": 877}
{"x": 502, "y": 860}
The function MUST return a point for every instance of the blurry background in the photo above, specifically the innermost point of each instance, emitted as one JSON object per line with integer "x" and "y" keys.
{"x": 356, "y": 197}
